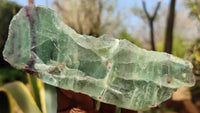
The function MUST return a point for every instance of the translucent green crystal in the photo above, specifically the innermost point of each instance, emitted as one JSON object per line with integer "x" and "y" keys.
{"x": 107, "y": 69}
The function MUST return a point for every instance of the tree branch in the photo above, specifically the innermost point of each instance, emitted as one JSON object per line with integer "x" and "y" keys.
{"x": 156, "y": 10}
{"x": 151, "y": 20}
{"x": 145, "y": 9}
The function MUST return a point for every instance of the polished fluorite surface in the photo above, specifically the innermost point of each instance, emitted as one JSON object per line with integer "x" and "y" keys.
{"x": 107, "y": 69}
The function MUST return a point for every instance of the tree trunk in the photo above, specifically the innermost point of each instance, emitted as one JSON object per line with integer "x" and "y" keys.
{"x": 170, "y": 25}
{"x": 152, "y": 35}
{"x": 151, "y": 20}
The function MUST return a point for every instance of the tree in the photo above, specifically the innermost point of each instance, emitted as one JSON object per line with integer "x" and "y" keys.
{"x": 169, "y": 28}
{"x": 125, "y": 35}
{"x": 83, "y": 16}
{"x": 193, "y": 55}
{"x": 90, "y": 17}
{"x": 180, "y": 45}
{"x": 151, "y": 21}
{"x": 194, "y": 5}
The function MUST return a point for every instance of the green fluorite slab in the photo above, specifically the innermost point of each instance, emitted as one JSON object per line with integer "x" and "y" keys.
{"x": 107, "y": 69}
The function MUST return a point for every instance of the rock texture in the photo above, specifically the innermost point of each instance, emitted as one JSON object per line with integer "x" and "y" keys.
{"x": 107, "y": 69}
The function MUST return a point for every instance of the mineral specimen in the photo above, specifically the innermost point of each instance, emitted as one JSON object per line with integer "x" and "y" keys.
{"x": 107, "y": 69}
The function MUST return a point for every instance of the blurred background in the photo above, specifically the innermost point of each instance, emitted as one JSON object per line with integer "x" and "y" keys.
{"x": 172, "y": 26}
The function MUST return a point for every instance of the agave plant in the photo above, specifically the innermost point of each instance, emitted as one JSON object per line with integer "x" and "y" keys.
{"x": 16, "y": 97}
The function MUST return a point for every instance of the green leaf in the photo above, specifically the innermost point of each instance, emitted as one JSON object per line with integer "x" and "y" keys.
{"x": 107, "y": 69}
{"x": 50, "y": 99}
{"x": 6, "y": 102}
{"x": 22, "y": 97}
{"x": 44, "y": 95}
{"x": 37, "y": 90}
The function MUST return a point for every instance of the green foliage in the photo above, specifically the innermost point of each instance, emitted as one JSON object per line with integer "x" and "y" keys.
{"x": 125, "y": 35}
{"x": 179, "y": 46}
{"x": 19, "y": 93}
{"x": 9, "y": 75}
{"x": 16, "y": 97}
{"x": 44, "y": 95}
{"x": 194, "y": 6}
{"x": 195, "y": 91}
{"x": 7, "y": 11}
{"x": 36, "y": 87}
{"x": 5, "y": 106}
{"x": 50, "y": 99}
{"x": 193, "y": 55}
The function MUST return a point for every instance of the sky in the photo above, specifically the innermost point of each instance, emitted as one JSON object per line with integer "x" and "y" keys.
{"x": 123, "y": 5}
{"x": 131, "y": 21}
{"x": 37, "y": 2}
